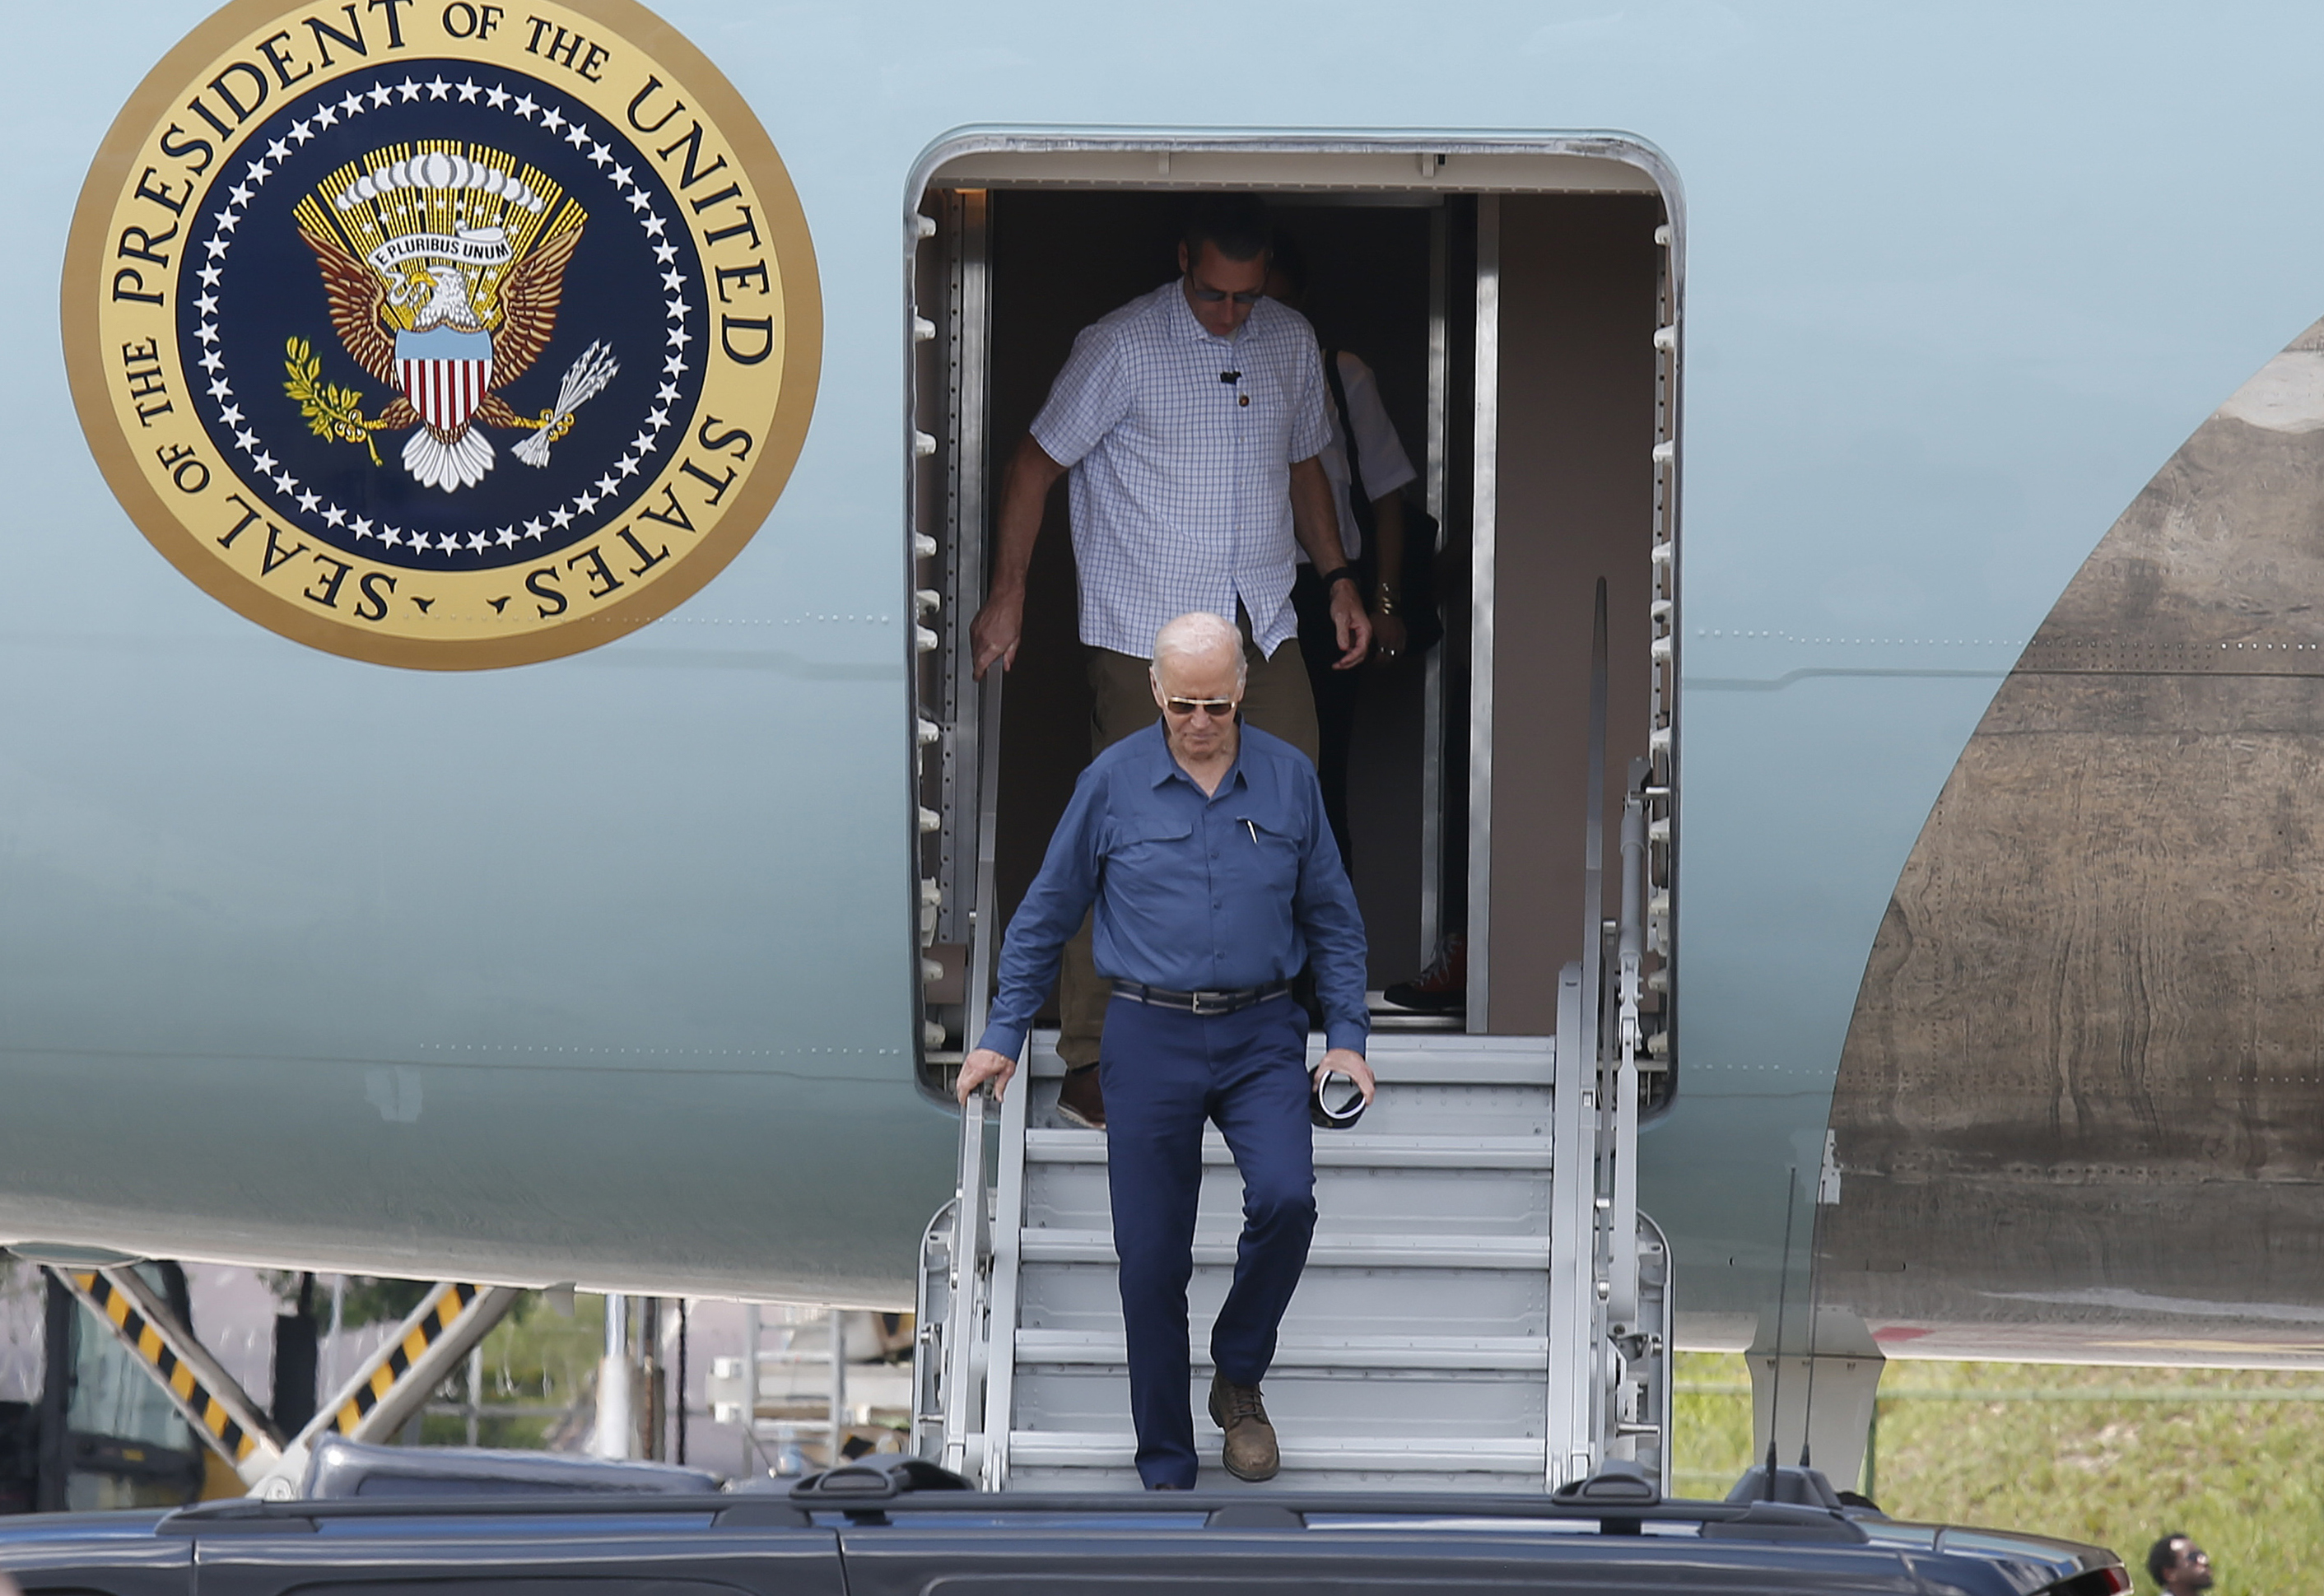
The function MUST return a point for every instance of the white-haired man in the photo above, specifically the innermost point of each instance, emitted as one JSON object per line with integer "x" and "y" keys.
{"x": 1203, "y": 849}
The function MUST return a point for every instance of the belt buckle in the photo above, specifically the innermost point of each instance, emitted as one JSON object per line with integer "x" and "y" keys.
{"x": 1204, "y": 1001}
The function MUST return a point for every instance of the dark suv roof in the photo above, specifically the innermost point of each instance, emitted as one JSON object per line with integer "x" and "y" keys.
{"x": 879, "y": 1535}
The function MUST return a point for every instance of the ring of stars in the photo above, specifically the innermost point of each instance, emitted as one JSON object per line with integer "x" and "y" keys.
{"x": 356, "y": 103}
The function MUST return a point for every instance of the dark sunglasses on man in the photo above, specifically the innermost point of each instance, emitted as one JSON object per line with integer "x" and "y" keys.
{"x": 1217, "y": 709}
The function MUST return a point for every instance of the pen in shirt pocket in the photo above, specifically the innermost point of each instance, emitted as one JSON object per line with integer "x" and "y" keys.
{"x": 1253, "y": 829}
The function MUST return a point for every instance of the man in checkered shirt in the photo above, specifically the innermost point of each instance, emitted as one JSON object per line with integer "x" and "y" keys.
{"x": 1191, "y": 420}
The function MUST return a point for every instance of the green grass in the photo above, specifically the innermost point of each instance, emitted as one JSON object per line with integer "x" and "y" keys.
{"x": 2149, "y": 1450}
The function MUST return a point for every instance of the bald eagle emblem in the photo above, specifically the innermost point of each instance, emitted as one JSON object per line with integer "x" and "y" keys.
{"x": 443, "y": 265}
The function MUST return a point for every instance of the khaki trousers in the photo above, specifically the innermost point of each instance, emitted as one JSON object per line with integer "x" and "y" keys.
{"x": 1276, "y": 698}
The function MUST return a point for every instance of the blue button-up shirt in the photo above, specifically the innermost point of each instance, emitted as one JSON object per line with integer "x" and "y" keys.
{"x": 1194, "y": 891}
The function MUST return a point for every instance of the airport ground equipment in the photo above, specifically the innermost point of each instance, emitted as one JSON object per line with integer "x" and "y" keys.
{"x": 381, "y": 1524}
{"x": 1456, "y": 1326}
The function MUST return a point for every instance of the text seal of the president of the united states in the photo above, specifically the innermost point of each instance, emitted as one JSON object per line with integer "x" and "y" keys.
{"x": 442, "y": 335}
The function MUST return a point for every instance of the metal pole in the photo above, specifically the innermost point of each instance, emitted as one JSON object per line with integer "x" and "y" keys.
{"x": 749, "y": 1385}
{"x": 681, "y": 1382}
{"x": 1593, "y": 843}
{"x": 648, "y": 1363}
{"x": 1432, "y": 689}
{"x": 616, "y": 1423}
{"x": 1872, "y": 1453}
{"x": 331, "y": 1346}
{"x": 475, "y": 1390}
{"x": 838, "y": 1389}
{"x": 1482, "y": 513}
{"x": 55, "y": 1463}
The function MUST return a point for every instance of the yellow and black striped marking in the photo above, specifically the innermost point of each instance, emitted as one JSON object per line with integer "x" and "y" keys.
{"x": 193, "y": 1396}
{"x": 450, "y": 1305}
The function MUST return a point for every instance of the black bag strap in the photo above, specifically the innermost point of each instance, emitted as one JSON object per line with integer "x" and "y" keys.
{"x": 1357, "y": 500}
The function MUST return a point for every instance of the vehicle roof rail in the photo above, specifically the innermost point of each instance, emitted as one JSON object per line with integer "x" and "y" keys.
{"x": 865, "y": 1495}
{"x": 867, "y": 1492}
{"x": 1616, "y": 1483}
{"x": 246, "y": 1515}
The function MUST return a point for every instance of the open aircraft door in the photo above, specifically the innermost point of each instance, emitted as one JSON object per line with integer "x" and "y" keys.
{"x": 1484, "y": 1306}
{"x": 1519, "y": 301}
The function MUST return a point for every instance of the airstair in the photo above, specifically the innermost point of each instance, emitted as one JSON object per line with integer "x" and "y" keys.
{"x": 1484, "y": 1307}
{"x": 1457, "y": 1325}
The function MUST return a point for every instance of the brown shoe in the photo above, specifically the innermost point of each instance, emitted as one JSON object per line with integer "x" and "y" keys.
{"x": 1250, "y": 1453}
{"x": 1081, "y": 1101}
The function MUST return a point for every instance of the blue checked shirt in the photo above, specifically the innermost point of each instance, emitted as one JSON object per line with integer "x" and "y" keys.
{"x": 1181, "y": 484}
{"x": 1193, "y": 893}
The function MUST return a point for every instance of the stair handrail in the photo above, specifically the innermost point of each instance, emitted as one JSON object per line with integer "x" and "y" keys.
{"x": 1005, "y": 1241}
{"x": 963, "y": 1405}
{"x": 967, "y": 1346}
{"x": 1569, "y": 1450}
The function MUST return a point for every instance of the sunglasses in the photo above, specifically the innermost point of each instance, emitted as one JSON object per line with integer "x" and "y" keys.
{"x": 1212, "y": 296}
{"x": 1216, "y": 708}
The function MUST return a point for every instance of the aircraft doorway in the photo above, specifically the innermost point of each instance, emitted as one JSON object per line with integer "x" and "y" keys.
{"x": 1518, "y": 333}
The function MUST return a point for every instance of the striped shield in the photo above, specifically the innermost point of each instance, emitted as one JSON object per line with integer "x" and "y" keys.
{"x": 446, "y": 373}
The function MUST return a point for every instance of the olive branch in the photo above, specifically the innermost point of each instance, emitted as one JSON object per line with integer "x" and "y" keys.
{"x": 331, "y": 411}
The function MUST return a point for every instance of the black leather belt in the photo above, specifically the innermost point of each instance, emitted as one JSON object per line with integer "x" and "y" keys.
{"x": 1200, "y": 1003}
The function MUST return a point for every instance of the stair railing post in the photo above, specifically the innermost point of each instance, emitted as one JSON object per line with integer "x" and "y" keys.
{"x": 963, "y": 1403}
{"x": 967, "y": 1347}
{"x": 1573, "y": 1226}
{"x": 1007, "y": 1241}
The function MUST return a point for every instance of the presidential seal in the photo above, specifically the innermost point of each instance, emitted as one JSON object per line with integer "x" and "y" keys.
{"x": 442, "y": 335}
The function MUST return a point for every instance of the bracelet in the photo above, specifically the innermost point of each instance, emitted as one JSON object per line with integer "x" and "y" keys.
{"x": 1384, "y": 599}
{"x": 1343, "y": 574}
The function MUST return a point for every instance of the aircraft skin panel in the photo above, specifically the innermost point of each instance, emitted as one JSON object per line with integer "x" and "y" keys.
{"x": 2089, "y": 1026}
{"x": 1956, "y": 281}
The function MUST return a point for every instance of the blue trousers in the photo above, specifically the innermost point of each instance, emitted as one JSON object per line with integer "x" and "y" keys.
{"x": 1165, "y": 1074}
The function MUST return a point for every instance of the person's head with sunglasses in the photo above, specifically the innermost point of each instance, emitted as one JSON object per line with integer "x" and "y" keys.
{"x": 1197, "y": 675}
{"x": 1224, "y": 258}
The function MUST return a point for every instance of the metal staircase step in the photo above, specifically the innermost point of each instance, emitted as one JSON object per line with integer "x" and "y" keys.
{"x": 1352, "y": 1202}
{"x": 1482, "y": 1302}
{"x": 1344, "y": 1252}
{"x": 1346, "y": 1149}
{"x": 1099, "y": 1449}
{"x": 1315, "y": 1402}
{"x": 1419, "y": 1350}
{"x": 1421, "y": 1059}
{"x": 1345, "y": 1354}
